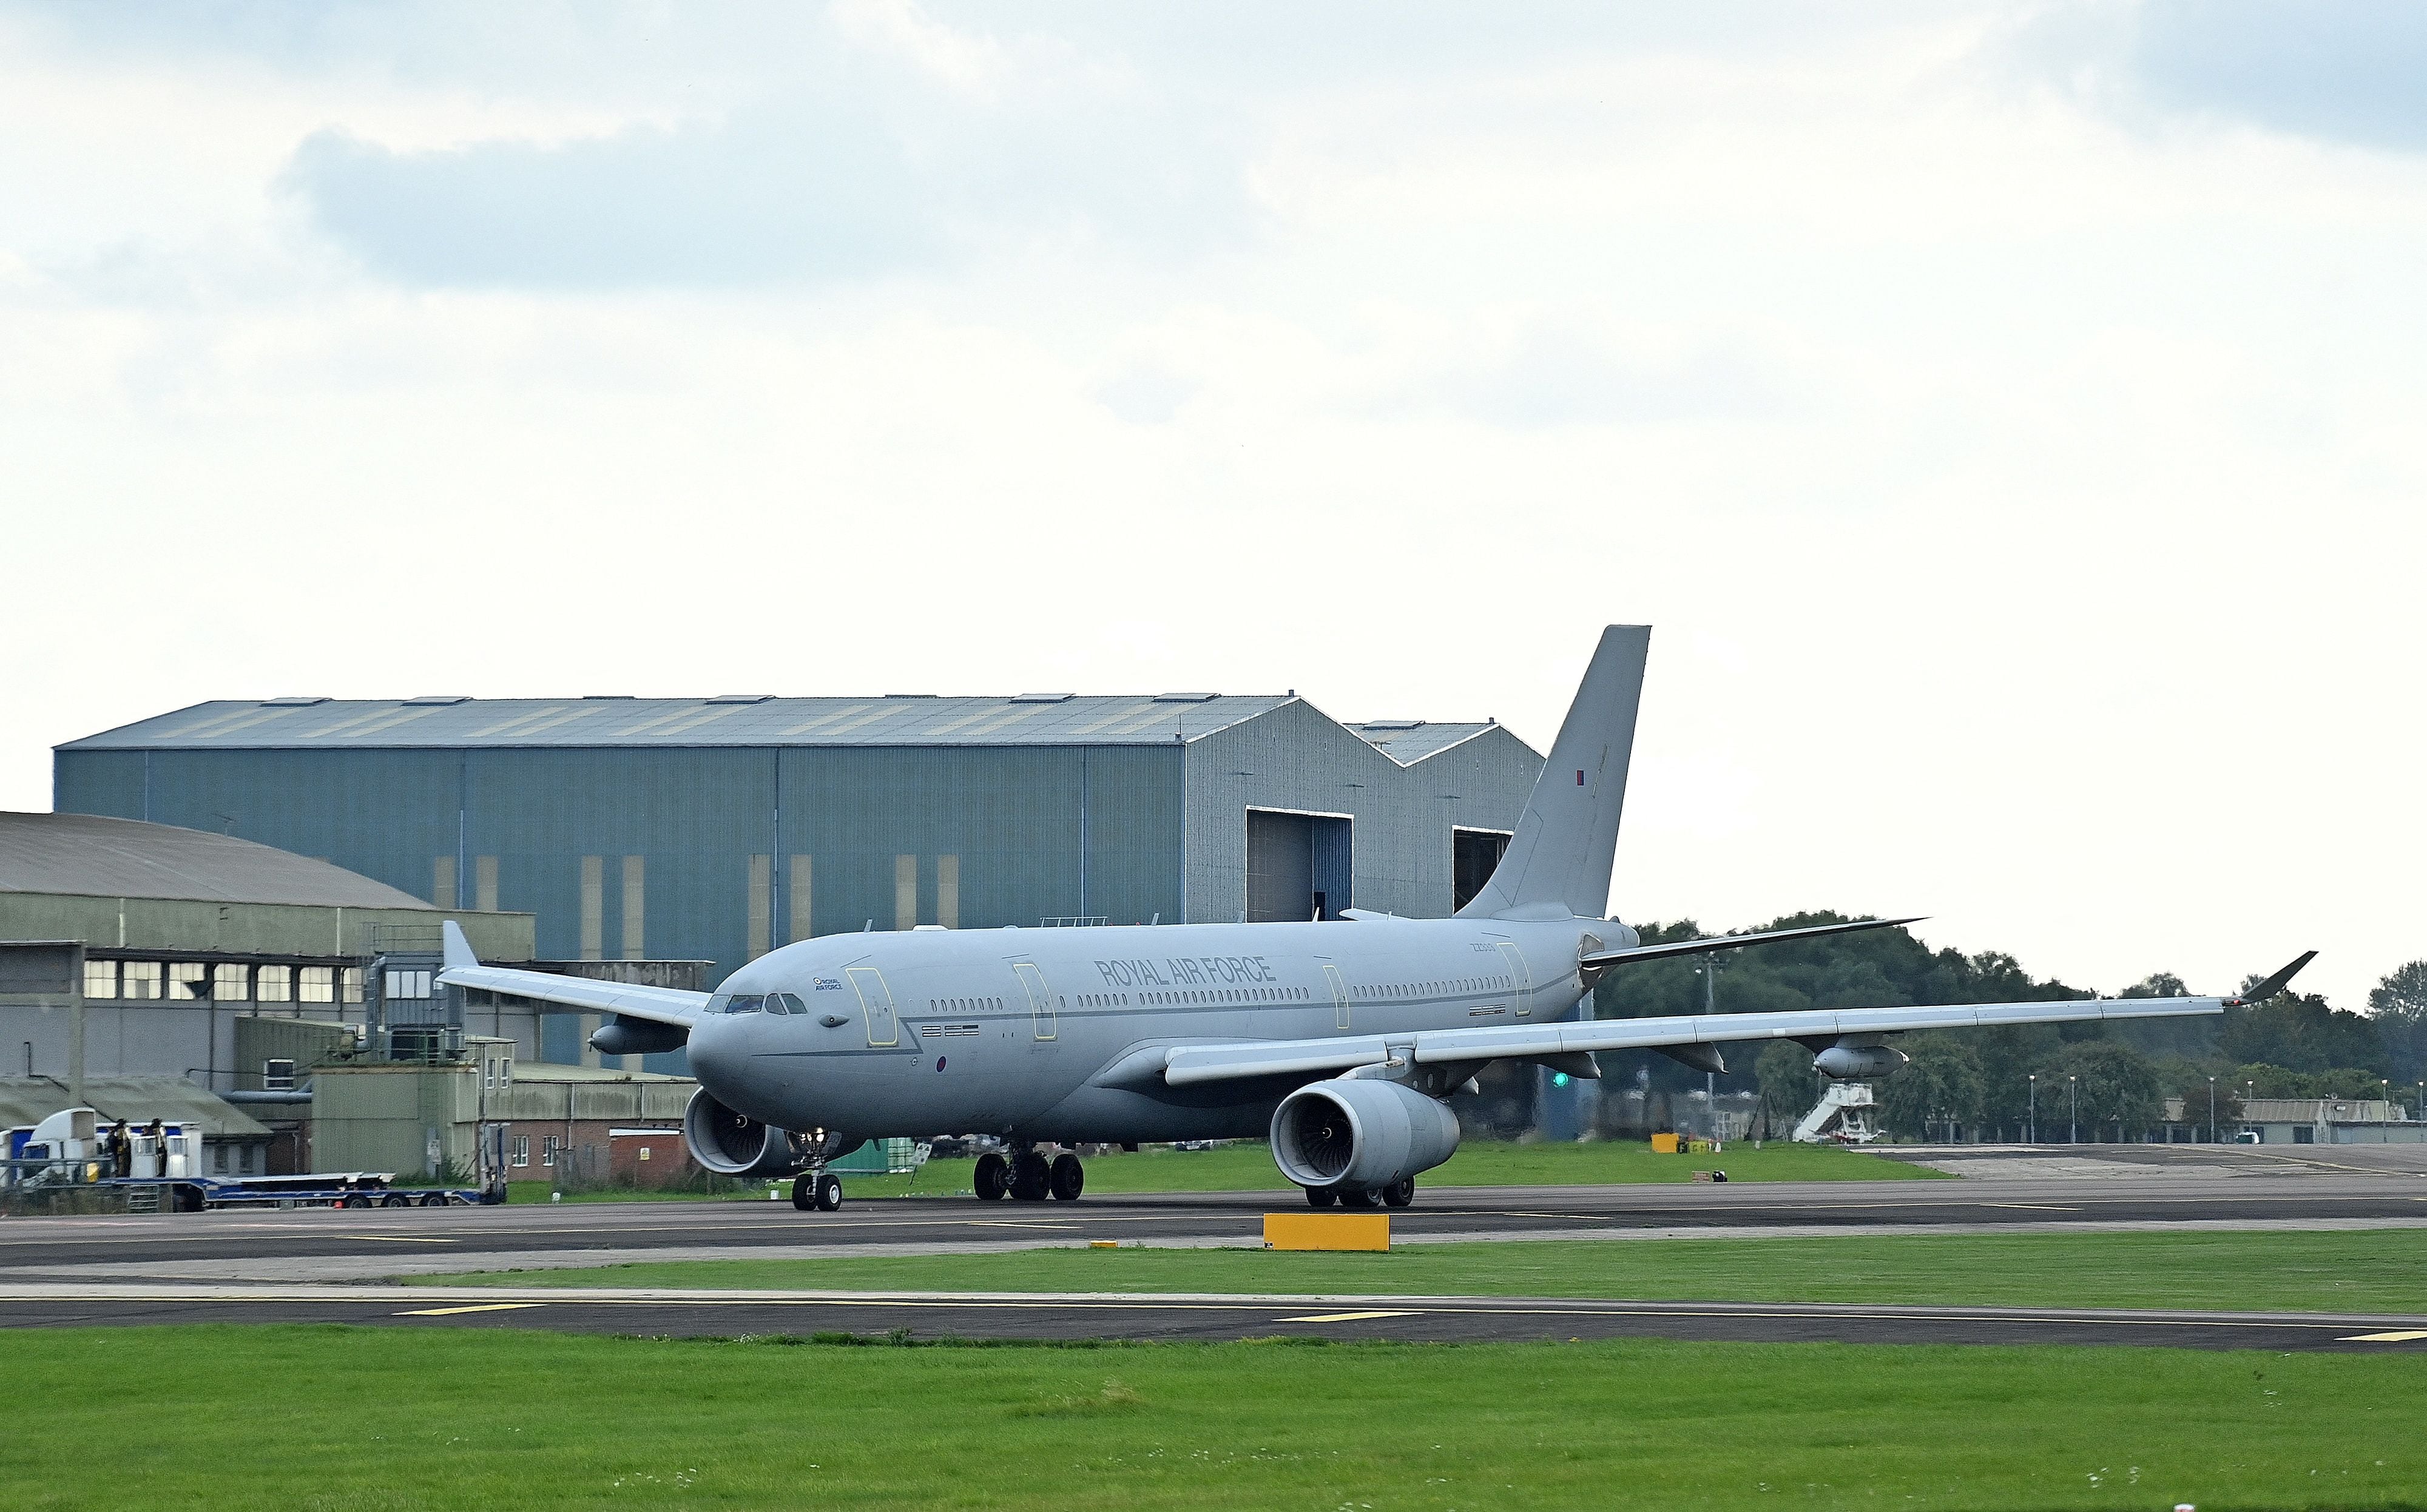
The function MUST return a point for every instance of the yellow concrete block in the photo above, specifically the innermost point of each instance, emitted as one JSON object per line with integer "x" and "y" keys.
{"x": 1663, "y": 1144}
{"x": 1327, "y": 1230}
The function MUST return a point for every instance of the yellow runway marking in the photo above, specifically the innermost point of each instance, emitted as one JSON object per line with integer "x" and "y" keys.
{"x": 1343, "y": 1317}
{"x": 484, "y": 1306}
{"x": 399, "y": 1239}
{"x": 2400, "y": 1336}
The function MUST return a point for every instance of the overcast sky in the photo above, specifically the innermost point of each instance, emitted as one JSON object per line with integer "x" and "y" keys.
{"x": 2010, "y": 416}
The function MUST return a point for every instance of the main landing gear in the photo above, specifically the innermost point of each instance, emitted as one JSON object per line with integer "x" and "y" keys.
{"x": 816, "y": 1192}
{"x": 1398, "y": 1194}
{"x": 1029, "y": 1177}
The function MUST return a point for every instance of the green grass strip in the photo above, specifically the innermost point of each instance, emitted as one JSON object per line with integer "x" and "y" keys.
{"x": 356, "y": 1420}
{"x": 2359, "y": 1271}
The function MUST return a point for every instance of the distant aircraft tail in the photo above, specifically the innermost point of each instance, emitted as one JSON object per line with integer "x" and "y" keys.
{"x": 1558, "y": 863}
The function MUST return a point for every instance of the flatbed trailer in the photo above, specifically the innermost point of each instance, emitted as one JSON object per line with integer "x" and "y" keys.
{"x": 353, "y": 1189}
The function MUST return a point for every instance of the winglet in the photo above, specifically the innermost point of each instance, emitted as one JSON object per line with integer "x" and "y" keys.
{"x": 457, "y": 950}
{"x": 2273, "y": 984}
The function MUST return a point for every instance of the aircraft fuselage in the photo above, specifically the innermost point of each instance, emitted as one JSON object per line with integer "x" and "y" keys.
{"x": 1013, "y": 1031}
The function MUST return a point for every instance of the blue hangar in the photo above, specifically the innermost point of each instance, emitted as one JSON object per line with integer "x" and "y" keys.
{"x": 716, "y": 829}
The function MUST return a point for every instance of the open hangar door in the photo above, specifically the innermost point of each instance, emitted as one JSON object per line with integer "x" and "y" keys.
{"x": 1298, "y": 865}
{"x": 1474, "y": 854}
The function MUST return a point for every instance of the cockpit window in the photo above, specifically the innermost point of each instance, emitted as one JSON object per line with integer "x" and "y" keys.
{"x": 783, "y": 1002}
{"x": 745, "y": 1002}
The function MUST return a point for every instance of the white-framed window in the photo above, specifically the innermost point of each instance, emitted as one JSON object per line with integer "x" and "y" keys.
{"x": 401, "y": 984}
{"x": 139, "y": 978}
{"x": 278, "y": 1076}
{"x": 188, "y": 981}
{"x": 273, "y": 984}
{"x": 100, "y": 978}
{"x": 316, "y": 984}
{"x": 228, "y": 983}
{"x": 522, "y": 1149}
{"x": 353, "y": 984}
{"x": 547, "y": 1149}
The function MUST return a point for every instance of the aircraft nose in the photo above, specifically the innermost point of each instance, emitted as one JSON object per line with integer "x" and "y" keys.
{"x": 717, "y": 1054}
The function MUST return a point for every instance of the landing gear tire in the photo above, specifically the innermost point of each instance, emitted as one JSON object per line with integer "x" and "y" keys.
{"x": 1031, "y": 1177}
{"x": 1321, "y": 1197}
{"x": 993, "y": 1178}
{"x": 1399, "y": 1193}
{"x": 1357, "y": 1199}
{"x": 829, "y": 1194}
{"x": 1068, "y": 1179}
{"x": 805, "y": 1192}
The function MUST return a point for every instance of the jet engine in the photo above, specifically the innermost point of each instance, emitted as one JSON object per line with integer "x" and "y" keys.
{"x": 1359, "y": 1135}
{"x": 732, "y": 1144}
{"x": 1859, "y": 1057}
{"x": 621, "y": 1036}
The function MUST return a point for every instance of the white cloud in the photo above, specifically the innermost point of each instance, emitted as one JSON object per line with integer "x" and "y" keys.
{"x": 2023, "y": 491}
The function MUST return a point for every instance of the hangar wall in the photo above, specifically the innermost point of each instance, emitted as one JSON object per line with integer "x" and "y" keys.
{"x": 630, "y": 832}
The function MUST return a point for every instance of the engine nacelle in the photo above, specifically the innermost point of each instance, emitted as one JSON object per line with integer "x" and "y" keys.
{"x": 732, "y": 1144}
{"x": 1357, "y": 1135}
{"x": 1859, "y": 1058}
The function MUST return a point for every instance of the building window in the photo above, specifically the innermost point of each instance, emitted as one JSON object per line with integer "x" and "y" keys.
{"x": 522, "y": 1149}
{"x": 100, "y": 978}
{"x": 353, "y": 981}
{"x": 278, "y": 1076}
{"x": 139, "y": 978}
{"x": 189, "y": 979}
{"x": 547, "y": 1147}
{"x": 274, "y": 983}
{"x": 505, "y": 1072}
{"x": 316, "y": 984}
{"x": 227, "y": 983}
{"x": 407, "y": 985}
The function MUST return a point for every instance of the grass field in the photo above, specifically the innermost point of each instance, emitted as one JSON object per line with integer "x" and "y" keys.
{"x": 2298, "y": 1271}
{"x": 1247, "y": 1167}
{"x": 351, "y": 1420}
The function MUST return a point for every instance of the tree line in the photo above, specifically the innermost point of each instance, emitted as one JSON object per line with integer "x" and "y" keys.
{"x": 2109, "y": 1081}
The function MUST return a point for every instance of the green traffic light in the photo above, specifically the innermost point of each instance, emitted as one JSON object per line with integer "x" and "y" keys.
{"x": 1558, "y": 1079}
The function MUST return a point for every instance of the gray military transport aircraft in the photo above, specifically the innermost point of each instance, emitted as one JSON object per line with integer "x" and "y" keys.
{"x": 1338, "y": 1040}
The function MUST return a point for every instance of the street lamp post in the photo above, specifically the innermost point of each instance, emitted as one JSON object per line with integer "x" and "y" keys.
{"x": 2212, "y": 1110}
{"x": 2384, "y": 1109}
{"x": 2034, "y": 1132}
{"x": 2073, "y": 1099}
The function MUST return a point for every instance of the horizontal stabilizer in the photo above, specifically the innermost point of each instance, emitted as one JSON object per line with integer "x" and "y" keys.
{"x": 1600, "y": 959}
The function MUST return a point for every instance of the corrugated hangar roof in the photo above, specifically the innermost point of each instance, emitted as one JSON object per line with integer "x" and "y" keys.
{"x": 1028, "y": 719}
{"x": 82, "y": 854}
{"x": 1410, "y": 740}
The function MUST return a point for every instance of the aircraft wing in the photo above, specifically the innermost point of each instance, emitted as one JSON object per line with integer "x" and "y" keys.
{"x": 659, "y": 1005}
{"x": 1189, "y": 1065}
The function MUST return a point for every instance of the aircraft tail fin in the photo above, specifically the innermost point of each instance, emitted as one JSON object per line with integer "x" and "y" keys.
{"x": 1558, "y": 862}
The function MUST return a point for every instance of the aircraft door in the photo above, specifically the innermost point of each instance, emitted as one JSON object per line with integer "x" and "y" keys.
{"x": 1520, "y": 979}
{"x": 1040, "y": 998}
{"x": 876, "y": 1005}
{"x": 1339, "y": 995}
